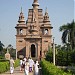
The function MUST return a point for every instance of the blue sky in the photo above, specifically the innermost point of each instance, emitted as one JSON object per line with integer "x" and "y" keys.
{"x": 60, "y": 12}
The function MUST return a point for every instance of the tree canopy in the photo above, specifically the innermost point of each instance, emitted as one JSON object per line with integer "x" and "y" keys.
{"x": 68, "y": 35}
{"x": 1, "y": 46}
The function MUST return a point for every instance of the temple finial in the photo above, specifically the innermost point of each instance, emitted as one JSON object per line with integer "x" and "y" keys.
{"x": 21, "y": 9}
{"x": 35, "y": 4}
{"x": 46, "y": 10}
{"x": 35, "y": 0}
{"x": 21, "y": 17}
{"x": 46, "y": 17}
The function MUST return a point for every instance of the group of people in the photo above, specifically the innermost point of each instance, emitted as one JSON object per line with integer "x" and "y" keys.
{"x": 28, "y": 65}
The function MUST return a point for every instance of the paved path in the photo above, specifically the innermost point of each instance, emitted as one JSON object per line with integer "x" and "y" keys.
{"x": 16, "y": 72}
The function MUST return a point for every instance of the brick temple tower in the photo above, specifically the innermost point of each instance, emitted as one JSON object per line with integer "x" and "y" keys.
{"x": 33, "y": 36}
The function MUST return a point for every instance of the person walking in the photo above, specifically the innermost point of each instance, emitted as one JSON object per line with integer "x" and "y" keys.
{"x": 36, "y": 68}
{"x": 23, "y": 65}
{"x": 11, "y": 65}
{"x": 20, "y": 64}
{"x": 27, "y": 68}
{"x": 25, "y": 59}
{"x": 30, "y": 64}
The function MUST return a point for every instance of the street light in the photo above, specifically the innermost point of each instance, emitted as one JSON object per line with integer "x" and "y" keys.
{"x": 16, "y": 54}
{"x": 53, "y": 51}
{"x": 9, "y": 47}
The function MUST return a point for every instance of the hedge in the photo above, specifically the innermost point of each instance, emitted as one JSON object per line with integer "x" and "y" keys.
{"x": 17, "y": 63}
{"x": 5, "y": 66}
{"x": 49, "y": 69}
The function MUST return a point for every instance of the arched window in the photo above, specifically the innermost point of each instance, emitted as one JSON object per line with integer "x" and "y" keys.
{"x": 46, "y": 31}
{"x": 21, "y": 31}
{"x": 33, "y": 50}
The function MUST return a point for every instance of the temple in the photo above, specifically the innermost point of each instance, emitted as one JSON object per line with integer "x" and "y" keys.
{"x": 33, "y": 37}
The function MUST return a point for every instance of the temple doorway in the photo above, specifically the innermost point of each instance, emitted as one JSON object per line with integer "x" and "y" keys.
{"x": 33, "y": 50}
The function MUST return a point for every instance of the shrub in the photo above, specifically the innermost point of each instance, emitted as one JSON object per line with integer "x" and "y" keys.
{"x": 49, "y": 69}
{"x": 4, "y": 66}
{"x": 16, "y": 63}
{"x": 1, "y": 57}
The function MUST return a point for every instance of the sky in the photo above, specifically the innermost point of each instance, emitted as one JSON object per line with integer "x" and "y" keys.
{"x": 60, "y": 12}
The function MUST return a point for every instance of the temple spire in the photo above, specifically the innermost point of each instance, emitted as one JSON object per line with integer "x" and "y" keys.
{"x": 46, "y": 17}
{"x": 21, "y": 17}
{"x": 35, "y": 4}
{"x": 46, "y": 10}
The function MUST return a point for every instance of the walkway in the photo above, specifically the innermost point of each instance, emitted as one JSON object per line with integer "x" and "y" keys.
{"x": 16, "y": 72}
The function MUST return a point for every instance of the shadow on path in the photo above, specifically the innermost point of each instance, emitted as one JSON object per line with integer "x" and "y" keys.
{"x": 16, "y": 72}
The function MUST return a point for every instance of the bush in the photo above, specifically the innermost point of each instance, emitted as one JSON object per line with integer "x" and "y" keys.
{"x": 49, "y": 69}
{"x": 16, "y": 63}
{"x": 1, "y": 57}
{"x": 4, "y": 66}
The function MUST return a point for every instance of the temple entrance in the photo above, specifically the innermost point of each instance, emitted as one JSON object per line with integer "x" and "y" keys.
{"x": 33, "y": 51}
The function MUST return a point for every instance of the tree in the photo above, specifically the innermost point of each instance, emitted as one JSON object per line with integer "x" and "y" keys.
{"x": 49, "y": 55}
{"x": 1, "y": 46}
{"x": 1, "y": 50}
{"x": 68, "y": 35}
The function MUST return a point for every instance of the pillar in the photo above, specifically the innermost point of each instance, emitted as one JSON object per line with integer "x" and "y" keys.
{"x": 27, "y": 49}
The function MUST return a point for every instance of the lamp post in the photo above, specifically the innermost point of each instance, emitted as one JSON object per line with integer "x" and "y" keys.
{"x": 53, "y": 52}
{"x": 7, "y": 50}
{"x": 9, "y": 47}
{"x": 16, "y": 54}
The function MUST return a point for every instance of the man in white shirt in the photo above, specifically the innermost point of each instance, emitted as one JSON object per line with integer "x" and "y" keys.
{"x": 36, "y": 69}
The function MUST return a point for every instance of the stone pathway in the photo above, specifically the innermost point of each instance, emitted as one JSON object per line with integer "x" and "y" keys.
{"x": 16, "y": 72}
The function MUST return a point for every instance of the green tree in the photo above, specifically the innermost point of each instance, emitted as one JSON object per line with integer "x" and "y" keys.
{"x": 68, "y": 35}
{"x": 1, "y": 50}
{"x": 49, "y": 55}
{"x": 1, "y": 46}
